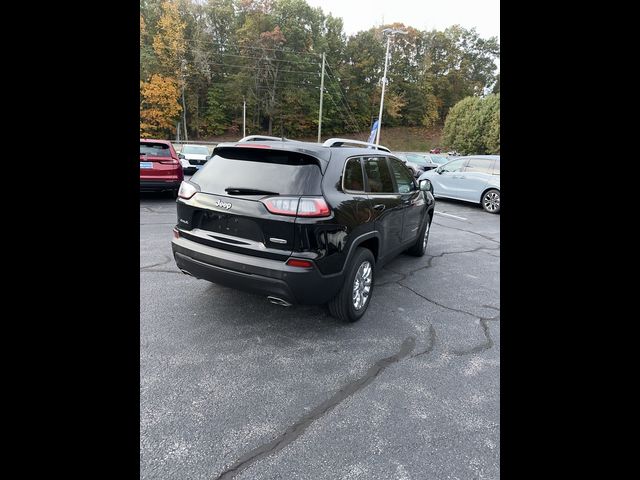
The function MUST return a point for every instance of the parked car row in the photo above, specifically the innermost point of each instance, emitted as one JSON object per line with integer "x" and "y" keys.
{"x": 419, "y": 163}
{"x": 473, "y": 179}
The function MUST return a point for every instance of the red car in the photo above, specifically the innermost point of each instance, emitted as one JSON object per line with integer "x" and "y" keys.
{"x": 160, "y": 169}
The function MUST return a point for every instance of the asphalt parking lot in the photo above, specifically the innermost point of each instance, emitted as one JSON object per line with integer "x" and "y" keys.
{"x": 232, "y": 386}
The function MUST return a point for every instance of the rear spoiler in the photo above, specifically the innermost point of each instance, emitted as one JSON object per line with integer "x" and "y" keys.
{"x": 231, "y": 149}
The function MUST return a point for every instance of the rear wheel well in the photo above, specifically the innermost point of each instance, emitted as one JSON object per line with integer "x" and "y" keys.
{"x": 485, "y": 191}
{"x": 371, "y": 244}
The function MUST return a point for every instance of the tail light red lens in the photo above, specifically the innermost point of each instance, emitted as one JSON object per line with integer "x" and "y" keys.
{"x": 176, "y": 233}
{"x": 313, "y": 207}
{"x": 295, "y": 262}
{"x": 297, "y": 206}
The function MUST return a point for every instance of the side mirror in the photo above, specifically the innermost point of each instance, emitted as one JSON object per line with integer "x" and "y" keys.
{"x": 180, "y": 155}
{"x": 207, "y": 157}
{"x": 439, "y": 170}
{"x": 425, "y": 185}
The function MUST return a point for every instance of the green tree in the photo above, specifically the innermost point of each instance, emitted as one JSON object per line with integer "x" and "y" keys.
{"x": 473, "y": 125}
{"x": 269, "y": 52}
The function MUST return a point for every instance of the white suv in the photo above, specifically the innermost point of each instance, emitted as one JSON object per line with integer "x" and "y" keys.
{"x": 193, "y": 157}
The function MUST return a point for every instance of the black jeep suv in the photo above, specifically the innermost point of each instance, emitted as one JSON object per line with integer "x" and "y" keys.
{"x": 300, "y": 222}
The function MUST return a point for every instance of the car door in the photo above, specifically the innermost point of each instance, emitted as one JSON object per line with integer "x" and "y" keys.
{"x": 447, "y": 181}
{"x": 474, "y": 178}
{"x": 385, "y": 204}
{"x": 411, "y": 198}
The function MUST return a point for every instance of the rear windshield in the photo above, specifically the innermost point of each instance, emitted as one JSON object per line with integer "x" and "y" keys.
{"x": 155, "y": 149}
{"x": 195, "y": 149}
{"x": 284, "y": 173}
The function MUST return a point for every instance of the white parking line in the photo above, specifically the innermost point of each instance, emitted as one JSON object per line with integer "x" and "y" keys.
{"x": 449, "y": 215}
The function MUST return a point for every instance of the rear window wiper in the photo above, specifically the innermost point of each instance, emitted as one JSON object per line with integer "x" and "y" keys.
{"x": 247, "y": 191}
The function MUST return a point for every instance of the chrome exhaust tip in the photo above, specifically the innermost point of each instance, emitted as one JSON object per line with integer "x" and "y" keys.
{"x": 278, "y": 301}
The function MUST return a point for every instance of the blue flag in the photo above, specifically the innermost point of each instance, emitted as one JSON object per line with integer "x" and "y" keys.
{"x": 374, "y": 129}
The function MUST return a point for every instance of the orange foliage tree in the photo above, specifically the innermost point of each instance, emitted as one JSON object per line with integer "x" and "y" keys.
{"x": 159, "y": 107}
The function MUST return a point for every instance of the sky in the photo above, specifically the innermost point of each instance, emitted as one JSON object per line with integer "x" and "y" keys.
{"x": 359, "y": 15}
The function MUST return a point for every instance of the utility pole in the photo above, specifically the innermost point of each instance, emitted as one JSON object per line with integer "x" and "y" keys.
{"x": 244, "y": 117}
{"x": 390, "y": 33}
{"x": 321, "y": 93}
{"x": 184, "y": 108}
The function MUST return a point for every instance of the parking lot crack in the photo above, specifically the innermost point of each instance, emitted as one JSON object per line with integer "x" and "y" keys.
{"x": 430, "y": 346}
{"x": 428, "y": 265}
{"x": 445, "y": 306}
{"x": 159, "y": 264}
{"x": 161, "y": 271}
{"x": 486, "y": 345}
{"x": 298, "y": 428}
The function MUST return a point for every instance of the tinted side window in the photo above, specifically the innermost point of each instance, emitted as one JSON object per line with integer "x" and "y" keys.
{"x": 479, "y": 165}
{"x": 378, "y": 175}
{"x": 404, "y": 180}
{"x": 454, "y": 166}
{"x": 353, "y": 179}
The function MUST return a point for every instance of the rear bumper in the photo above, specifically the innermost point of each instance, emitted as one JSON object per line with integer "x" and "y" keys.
{"x": 159, "y": 185}
{"x": 254, "y": 274}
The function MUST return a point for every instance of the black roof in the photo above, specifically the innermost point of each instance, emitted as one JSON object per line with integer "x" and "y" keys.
{"x": 317, "y": 150}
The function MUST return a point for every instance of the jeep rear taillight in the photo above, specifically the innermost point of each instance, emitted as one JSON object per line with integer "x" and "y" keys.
{"x": 297, "y": 206}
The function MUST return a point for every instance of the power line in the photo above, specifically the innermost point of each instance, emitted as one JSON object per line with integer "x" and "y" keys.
{"x": 250, "y": 67}
{"x": 239, "y": 47}
{"x": 342, "y": 97}
{"x": 253, "y": 58}
{"x": 338, "y": 109}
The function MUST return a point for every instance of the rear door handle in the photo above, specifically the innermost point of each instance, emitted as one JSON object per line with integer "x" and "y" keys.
{"x": 457, "y": 176}
{"x": 380, "y": 207}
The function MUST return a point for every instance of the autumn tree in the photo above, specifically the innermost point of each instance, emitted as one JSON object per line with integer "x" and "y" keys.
{"x": 168, "y": 42}
{"x": 159, "y": 108}
{"x": 269, "y": 52}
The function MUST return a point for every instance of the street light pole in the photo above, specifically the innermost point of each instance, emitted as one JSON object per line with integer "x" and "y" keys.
{"x": 184, "y": 107}
{"x": 390, "y": 33}
{"x": 321, "y": 93}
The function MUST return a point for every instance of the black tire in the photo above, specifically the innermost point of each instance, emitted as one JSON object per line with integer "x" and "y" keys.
{"x": 342, "y": 305}
{"x": 173, "y": 194}
{"x": 491, "y": 201}
{"x": 420, "y": 246}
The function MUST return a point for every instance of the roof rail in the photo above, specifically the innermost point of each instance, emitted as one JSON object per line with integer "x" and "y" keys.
{"x": 338, "y": 142}
{"x": 263, "y": 138}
